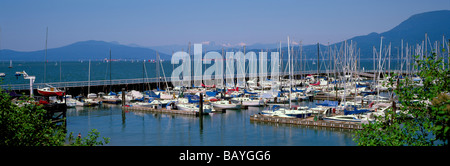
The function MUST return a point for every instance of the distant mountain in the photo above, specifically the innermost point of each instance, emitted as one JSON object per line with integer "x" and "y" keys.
{"x": 412, "y": 31}
{"x": 435, "y": 24}
{"x": 84, "y": 50}
{"x": 209, "y": 46}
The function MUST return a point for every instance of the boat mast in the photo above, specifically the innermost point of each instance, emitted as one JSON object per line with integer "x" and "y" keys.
{"x": 318, "y": 63}
{"x": 143, "y": 75}
{"x": 59, "y": 70}
{"x": 290, "y": 74}
{"x": 379, "y": 70}
{"x": 89, "y": 78}
{"x": 45, "y": 60}
{"x": 110, "y": 71}
{"x": 280, "y": 66}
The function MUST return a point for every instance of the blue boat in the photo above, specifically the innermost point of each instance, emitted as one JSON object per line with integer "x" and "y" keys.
{"x": 355, "y": 111}
{"x": 250, "y": 93}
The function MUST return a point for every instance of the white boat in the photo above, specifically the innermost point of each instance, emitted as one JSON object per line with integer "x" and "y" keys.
{"x": 193, "y": 107}
{"x": 223, "y": 104}
{"x": 2, "y": 74}
{"x": 87, "y": 102}
{"x": 298, "y": 112}
{"x": 245, "y": 101}
{"x": 282, "y": 99}
{"x": 70, "y": 103}
{"x": 344, "y": 118}
{"x": 319, "y": 109}
{"x": 111, "y": 99}
{"x": 280, "y": 114}
{"x": 153, "y": 103}
{"x": 91, "y": 95}
{"x": 135, "y": 95}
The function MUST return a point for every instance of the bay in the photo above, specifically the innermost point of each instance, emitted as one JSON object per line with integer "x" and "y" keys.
{"x": 67, "y": 71}
{"x": 233, "y": 128}
{"x": 132, "y": 128}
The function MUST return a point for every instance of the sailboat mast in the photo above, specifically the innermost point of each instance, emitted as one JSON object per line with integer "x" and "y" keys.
{"x": 110, "y": 71}
{"x": 280, "y": 66}
{"x": 290, "y": 74}
{"x": 143, "y": 75}
{"x": 59, "y": 70}
{"x": 379, "y": 69}
{"x": 45, "y": 60}
{"x": 318, "y": 63}
{"x": 89, "y": 78}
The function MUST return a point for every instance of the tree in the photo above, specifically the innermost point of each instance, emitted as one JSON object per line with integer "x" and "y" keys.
{"x": 23, "y": 123}
{"x": 420, "y": 117}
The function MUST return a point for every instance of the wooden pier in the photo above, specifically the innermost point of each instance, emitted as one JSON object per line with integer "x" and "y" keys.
{"x": 306, "y": 122}
{"x": 56, "y": 112}
{"x": 160, "y": 110}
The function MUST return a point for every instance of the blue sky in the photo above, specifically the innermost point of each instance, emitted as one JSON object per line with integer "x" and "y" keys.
{"x": 166, "y": 22}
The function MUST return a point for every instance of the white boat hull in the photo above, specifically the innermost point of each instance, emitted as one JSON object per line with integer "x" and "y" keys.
{"x": 249, "y": 102}
{"x": 192, "y": 107}
{"x": 343, "y": 118}
{"x": 225, "y": 105}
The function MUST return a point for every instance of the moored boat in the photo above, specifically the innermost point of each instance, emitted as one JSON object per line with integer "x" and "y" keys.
{"x": 223, "y": 104}
{"x": 344, "y": 118}
{"x": 193, "y": 107}
{"x": 246, "y": 101}
{"x": 50, "y": 91}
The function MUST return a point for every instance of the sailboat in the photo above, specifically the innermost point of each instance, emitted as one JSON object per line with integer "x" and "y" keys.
{"x": 10, "y": 64}
{"x": 290, "y": 112}
{"x": 50, "y": 91}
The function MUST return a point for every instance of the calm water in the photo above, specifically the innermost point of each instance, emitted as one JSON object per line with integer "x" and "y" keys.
{"x": 67, "y": 71}
{"x": 232, "y": 128}
{"x": 144, "y": 128}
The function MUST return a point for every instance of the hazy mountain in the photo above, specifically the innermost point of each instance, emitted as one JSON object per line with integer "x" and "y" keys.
{"x": 412, "y": 31}
{"x": 435, "y": 24}
{"x": 95, "y": 50}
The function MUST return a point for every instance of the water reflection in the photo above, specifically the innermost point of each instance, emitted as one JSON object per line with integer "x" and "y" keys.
{"x": 233, "y": 128}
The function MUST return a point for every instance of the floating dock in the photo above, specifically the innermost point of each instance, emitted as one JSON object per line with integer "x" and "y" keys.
{"x": 160, "y": 110}
{"x": 306, "y": 122}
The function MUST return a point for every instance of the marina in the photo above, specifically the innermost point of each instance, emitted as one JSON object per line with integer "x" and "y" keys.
{"x": 127, "y": 127}
{"x": 339, "y": 96}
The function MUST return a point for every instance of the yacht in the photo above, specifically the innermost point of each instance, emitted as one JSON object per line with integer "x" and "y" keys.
{"x": 350, "y": 118}
{"x": 295, "y": 112}
{"x": 223, "y": 104}
{"x": 193, "y": 107}
{"x": 246, "y": 101}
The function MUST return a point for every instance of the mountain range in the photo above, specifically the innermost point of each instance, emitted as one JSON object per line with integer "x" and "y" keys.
{"x": 435, "y": 24}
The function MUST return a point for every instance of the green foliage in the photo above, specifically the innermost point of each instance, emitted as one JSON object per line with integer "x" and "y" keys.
{"x": 24, "y": 124}
{"x": 421, "y": 116}
{"x": 90, "y": 140}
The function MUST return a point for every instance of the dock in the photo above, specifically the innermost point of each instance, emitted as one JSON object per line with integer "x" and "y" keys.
{"x": 160, "y": 110}
{"x": 306, "y": 122}
{"x": 56, "y": 112}
{"x": 332, "y": 98}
